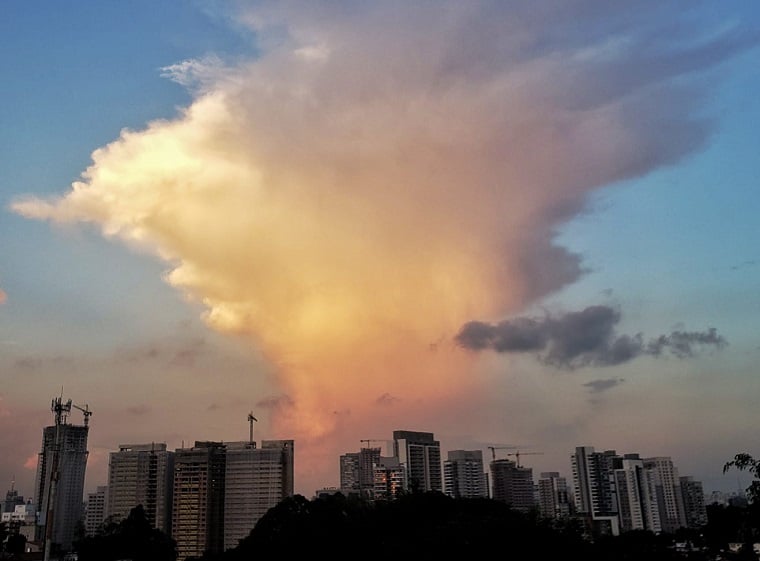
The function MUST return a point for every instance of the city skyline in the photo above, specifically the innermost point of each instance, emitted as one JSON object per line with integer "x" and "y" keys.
{"x": 508, "y": 225}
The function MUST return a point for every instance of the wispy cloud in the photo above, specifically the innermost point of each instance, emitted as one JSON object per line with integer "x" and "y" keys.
{"x": 598, "y": 386}
{"x": 584, "y": 338}
{"x": 3, "y": 296}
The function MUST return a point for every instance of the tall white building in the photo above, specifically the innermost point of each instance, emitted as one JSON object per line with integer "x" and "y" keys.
{"x": 420, "y": 454}
{"x": 59, "y": 484}
{"x": 668, "y": 489}
{"x": 141, "y": 474}
{"x": 256, "y": 479}
{"x": 637, "y": 496}
{"x": 463, "y": 474}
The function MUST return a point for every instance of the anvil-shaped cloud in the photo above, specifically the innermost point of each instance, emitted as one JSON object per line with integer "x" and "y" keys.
{"x": 381, "y": 175}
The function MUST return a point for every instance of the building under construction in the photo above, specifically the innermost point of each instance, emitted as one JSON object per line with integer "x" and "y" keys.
{"x": 59, "y": 486}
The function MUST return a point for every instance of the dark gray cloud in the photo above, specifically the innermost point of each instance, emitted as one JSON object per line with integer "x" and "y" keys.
{"x": 584, "y": 338}
{"x": 597, "y": 386}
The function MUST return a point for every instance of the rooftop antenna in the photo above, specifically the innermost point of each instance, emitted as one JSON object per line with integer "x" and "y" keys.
{"x": 251, "y": 419}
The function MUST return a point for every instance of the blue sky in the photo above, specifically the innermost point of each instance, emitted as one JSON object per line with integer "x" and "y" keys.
{"x": 351, "y": 190}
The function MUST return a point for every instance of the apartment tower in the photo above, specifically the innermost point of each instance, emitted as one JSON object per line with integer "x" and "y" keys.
{"x": 463, "y": 475}
{"x": 420, "y": 454}
{"x": 141, "y": 474}
{"x": 256, "y": 479}
{"x": 198, "y": 499}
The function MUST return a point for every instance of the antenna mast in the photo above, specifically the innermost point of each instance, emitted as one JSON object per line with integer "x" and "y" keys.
{"x": 251, "y": 419}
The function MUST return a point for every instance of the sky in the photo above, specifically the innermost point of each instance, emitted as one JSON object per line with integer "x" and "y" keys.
{"x": 523, "y": 227}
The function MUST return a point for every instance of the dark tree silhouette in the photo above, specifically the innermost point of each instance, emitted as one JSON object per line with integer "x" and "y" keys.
{"x": 133, "y": 538}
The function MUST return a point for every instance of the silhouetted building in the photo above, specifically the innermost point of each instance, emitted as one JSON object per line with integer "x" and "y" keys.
{"x": 695, "y": 511}
{"x": 420, "y": 454}
{"x": 12, "y": 499}
{"x": 357, "y": 471}
{"x": 463, "y": 475}
{"x": 512, "y": 484}
{"x": 141, "y": 474}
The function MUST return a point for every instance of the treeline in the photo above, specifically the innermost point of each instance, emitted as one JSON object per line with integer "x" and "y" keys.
{"x": 429, "y": 526}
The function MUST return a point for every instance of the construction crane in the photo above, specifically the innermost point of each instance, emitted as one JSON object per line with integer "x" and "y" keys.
{"x": 85, "y": 410}
{"x": 251, "y": 419}
{"x": 494, "y": 448}
{"x": 518, "y": 454}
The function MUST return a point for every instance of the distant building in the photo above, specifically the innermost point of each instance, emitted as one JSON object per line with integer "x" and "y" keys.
{"x": 553, "y": 499}
{"x": 198, "y": 499}
{"x": 695, "y": 511}
{"x": 512, "y": 484}
{"x": 12, "y": 499}
{"x": 62, "y": 460}
{"x": 95, "y": 510}
{"x": 420, "y": 454}
{"x": 389, "y": 478}
{"x": 256, "y": 479}
{"x": 464, "y": 476}
{"x": 668, "y": 489}
{"x": 141, "y": 474}
{"x": 637, "y": 498}
{"x": 357, "y": 471}
{"x": 594, "y": 489}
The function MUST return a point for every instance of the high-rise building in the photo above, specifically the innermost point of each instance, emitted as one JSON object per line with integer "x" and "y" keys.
{"x": 637, "y": 498}
{"x": 256, "y": 479}
{"x": 420, "y": 454}
{"x": 198, "y": 499}
{"x": 96, "y": 509}
{"x": 512, "y": 484}
{"x": 59, "y": 484}
{"x": 389, "y": 478}
{"x": 357, "y": 471}
{"x": 694, "y": 507}
{"x": 668, "y": 490}
{"x": 594, "y": 489}
{"x": 553, "y": 499}
{"x": 141, "y": 474}
{"x": 463, "y": 475}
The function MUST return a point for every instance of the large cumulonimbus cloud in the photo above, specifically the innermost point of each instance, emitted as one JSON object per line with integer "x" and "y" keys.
{"x": 385, "y": 172}
{"x": 584, "y": 338}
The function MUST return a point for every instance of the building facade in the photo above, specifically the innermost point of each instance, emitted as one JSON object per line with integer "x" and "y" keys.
{"x": 198, "y": 499}
{"x": 512, "y": 484}
{"x": 96, "y": 510}
{"x": 464, "y": 476}
{"x": 59, "y": 483}
{"x": 594, "y": 489}
{"x": 256, "y": 479}
{"x": 553, "y": 498}
{"x": 141, "y": 474}
{"x": 420, "y": 454}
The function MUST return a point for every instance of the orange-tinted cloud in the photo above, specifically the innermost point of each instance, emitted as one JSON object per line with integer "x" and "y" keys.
{"x": 3, "y": 296}
{"x": 31, "y": 462}
{"x": 351, "y": 198}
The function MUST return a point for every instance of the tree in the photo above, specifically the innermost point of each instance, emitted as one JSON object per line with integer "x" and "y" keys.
{"x": 132, "y": 538}
{"x": 745, "y": 462}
